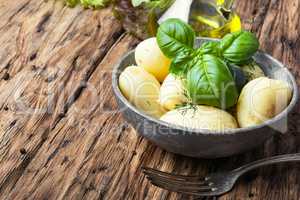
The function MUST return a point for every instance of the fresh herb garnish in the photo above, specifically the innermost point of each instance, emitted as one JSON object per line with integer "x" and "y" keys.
{"x": 209, "y": 78}
{"x": 184, "y": 108}
{"x": 239, "y": 47}
{"x": 210, "y": 82}
{"x": 175, "y": 36}
{"x": 162, "y": 4}
{"x": 88, "y": 3}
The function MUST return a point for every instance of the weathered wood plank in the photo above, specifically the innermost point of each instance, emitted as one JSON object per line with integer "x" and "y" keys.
{"x": 49, "y": 52}
{"x": 84, "y": 144}
{"x": 277, "y": 25}
{"x": 81, "y": 150}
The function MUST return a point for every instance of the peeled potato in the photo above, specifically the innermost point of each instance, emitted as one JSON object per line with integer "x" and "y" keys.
{"x": 201, "y": 117}
{"x": 149, "y": 56}
{"x": 142, "y": 90}
{"x": 172, "y": 92}
{"x": 262, "y": 99}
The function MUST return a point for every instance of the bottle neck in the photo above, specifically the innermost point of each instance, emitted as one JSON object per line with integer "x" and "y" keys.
{"x": 179, "y": 9}
{"x": 227, "y": 4}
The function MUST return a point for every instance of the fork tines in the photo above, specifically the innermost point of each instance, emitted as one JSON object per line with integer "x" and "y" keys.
{"x": 184, "y": 184}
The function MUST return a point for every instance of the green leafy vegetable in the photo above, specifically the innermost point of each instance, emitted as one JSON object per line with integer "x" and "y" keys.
{"x": 162, "y": 4}
{"x": 175, "y": 36}
{"x": 88, "y": 3}
{"x": 239, "y": 47}
{"x": 141, "y": 21}
{"x": 138, "y": 17}
{"x": 183, "y": 61}
{"x": 94, "y": 3}
{"x": 136, "y": 3}
{"x": 210, "y": 82}
{"x": 212, "y": 74}
{"x": 209, "y": 48}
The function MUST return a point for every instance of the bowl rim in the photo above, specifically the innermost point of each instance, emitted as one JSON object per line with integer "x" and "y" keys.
{"x": 227, "y": 132}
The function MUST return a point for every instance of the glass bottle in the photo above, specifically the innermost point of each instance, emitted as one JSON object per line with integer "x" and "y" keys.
{"x": 209, "y": 18}
{"x": 213, "y": 18}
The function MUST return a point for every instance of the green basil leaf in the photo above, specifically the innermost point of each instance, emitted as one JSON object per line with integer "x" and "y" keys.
{"x": 209, "y": 48}
{"x": 183, "y": 62}
{"x": 174, "y": 36}
{"x": 187, "y": 58}
{"x": 210, "y": 82}
{"x": 239, "y": 47}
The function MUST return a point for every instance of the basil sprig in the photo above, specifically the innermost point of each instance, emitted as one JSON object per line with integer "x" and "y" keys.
{"x": 239, "y": 47}
{"x": 211, "y": 72}
{"x": 210, "y": 82}
{"x": 175, "y": 36}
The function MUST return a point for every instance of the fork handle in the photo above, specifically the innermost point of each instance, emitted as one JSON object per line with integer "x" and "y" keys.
{"x": 268, "y": 161}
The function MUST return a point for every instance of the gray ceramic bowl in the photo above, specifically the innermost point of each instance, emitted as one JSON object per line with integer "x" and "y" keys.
{"x": 201, "y": 142}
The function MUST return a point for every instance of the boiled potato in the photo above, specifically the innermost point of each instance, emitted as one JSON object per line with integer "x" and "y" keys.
{"x": 172, "y": 92}
{"x": 201, "y": 117}
{"x": 262, "y": 99}
{"x": 149, "y": 56}
{"x": 142, "y": 90}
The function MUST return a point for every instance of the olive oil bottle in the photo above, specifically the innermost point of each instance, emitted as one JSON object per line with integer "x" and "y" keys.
{"x": 213, "y": 18}
{"x": 209, "y": 18}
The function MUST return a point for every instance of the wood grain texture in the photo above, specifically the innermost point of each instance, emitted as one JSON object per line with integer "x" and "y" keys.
{"x": 49, "y": 52}
{"x": 60, "y": 134}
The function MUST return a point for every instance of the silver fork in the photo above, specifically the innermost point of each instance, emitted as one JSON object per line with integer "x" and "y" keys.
{"x": 213, "y": 184}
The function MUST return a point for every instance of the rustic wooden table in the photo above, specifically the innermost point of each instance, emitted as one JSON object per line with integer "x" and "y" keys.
{"x": 59, "y": 136}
